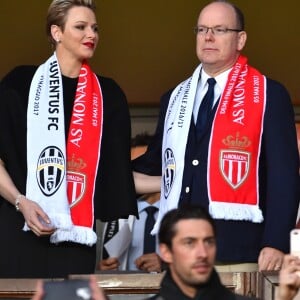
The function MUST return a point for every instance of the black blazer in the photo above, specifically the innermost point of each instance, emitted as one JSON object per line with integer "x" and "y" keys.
{"x": 241, "y": 241}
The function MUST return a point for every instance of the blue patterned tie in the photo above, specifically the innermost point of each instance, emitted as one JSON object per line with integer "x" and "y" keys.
{"x": 205, "y": 107}
{"x": 149, "y": 240}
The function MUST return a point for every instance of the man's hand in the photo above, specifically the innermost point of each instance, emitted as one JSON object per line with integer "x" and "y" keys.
{"x": 289, "y": 279}
{"x": 149, "y": 262}
{"x": 270, "y": 259}
{"x": 110, "y": 263}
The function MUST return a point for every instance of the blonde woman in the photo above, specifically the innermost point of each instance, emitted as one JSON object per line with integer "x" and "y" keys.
{"x": 65, "y": 153}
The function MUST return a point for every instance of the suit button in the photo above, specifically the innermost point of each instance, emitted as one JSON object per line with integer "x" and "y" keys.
{"x": 187, "y": 189}
{"x": 195, "y": 162}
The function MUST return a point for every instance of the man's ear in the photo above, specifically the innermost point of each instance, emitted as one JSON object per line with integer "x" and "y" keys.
{"x": 165, "y": 253}
{"x": 242, "y": 40}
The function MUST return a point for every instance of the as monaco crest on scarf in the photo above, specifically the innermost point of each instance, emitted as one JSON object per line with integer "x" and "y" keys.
{"x": 235, "y": 161}
{"x": 76, "y": 180}
{"x": 234, "y": 166}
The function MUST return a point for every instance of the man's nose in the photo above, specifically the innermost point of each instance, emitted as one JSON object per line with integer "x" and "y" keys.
{"x": 201, "y": 250}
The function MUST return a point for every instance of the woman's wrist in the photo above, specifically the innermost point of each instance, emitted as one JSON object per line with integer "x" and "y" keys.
{"x": 18, "y": 201}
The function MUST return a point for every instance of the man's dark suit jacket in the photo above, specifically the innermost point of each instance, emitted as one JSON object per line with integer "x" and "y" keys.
{"x": 241, "y": 241}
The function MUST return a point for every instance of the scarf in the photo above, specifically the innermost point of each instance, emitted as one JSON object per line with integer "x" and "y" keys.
{"x": 176, "y": 128}
{"x": 243, "y": 100}
{"x": 233, "y": 162}
{"x": 61, "y": 176}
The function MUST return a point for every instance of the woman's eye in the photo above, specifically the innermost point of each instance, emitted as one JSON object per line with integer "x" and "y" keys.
{"x": 81, "y": 27}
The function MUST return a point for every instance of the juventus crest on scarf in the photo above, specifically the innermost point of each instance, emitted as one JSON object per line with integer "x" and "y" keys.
{"x": 61, "y": 176}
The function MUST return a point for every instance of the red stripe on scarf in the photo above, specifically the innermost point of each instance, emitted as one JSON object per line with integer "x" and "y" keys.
{"x": 236, "y": 137}
{"x": 83, "y": 147}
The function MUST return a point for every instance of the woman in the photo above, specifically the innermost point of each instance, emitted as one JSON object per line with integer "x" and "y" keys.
{"x": 64, "y": 131}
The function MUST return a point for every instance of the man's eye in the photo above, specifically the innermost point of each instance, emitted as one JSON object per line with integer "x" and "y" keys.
{"x": 189, "y": 242}
{"x": 210, "y": 242}
{"x": 220, "y": 30}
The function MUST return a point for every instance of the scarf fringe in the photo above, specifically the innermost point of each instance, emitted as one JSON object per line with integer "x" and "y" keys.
{"x": 78, "y": 234}
{"x": 235, "y": 211}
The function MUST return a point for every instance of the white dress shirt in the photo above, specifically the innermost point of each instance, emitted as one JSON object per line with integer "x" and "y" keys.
{"x": 137, "y": 244}
{"x": 202, "y": 87}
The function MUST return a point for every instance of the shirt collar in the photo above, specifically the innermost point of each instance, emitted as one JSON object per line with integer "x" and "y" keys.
{"x": 142, "y": 204}
{"x": 221, "y": 79}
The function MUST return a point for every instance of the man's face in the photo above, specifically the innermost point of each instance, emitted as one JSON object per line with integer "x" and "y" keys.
{"x": 219, "y": 52}
{"x": 192, "y": 255}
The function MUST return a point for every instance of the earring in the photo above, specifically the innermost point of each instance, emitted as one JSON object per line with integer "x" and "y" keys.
{"x": 58, "y": 41}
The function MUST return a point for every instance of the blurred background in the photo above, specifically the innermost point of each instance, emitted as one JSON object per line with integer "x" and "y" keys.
{"x": 148, "y": 47}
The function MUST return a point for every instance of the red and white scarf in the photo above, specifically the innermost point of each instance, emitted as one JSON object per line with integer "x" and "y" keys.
{"x": 232, "y": 169}
{"x": 233, "y": 183}
{"x": 61, "y": 178}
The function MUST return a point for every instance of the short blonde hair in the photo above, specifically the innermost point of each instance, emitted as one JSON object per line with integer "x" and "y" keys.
{"x": 57, "y": 13}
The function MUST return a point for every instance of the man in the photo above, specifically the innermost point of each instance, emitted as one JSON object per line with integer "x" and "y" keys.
{"x": 242, "y": 163}
{"x": 187, "y": 240}
{"x": 135, "y": 258}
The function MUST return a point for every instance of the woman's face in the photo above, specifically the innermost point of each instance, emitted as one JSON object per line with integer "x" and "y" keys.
{"x": 80, "y": 36}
